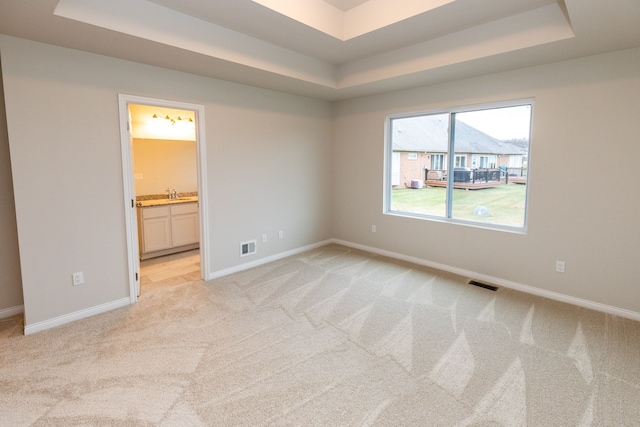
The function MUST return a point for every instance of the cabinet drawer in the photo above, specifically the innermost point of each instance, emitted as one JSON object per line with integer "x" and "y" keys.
{"x": 155, "y": 212}
{"x": 184, "y": 208}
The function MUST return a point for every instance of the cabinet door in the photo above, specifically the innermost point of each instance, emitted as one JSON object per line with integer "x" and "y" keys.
{"x": 156, "y": 234}
{"x": 185, "y": 229}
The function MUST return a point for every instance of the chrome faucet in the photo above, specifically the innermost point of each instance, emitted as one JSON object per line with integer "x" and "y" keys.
{"x": 171, "y": 194}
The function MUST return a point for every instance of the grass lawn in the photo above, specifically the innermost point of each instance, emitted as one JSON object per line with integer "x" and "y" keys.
{"x": 504, "y": 203}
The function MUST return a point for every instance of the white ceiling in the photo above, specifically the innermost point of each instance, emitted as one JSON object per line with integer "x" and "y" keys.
{"x": 331, "y": 49}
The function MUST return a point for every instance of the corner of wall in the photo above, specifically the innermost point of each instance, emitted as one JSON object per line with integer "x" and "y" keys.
{"x": 11, "y": 279}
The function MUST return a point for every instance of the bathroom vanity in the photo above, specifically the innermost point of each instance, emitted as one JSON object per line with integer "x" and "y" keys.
{"x": 167, "y": 226}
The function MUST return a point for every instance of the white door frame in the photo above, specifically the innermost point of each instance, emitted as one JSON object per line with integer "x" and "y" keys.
{"x": 129, "y": 188}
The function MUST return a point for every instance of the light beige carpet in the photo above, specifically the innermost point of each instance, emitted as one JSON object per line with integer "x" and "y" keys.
{"x": 330, "y": 337}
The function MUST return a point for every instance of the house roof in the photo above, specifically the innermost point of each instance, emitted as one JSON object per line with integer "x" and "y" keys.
{"x": 431, "y": 134}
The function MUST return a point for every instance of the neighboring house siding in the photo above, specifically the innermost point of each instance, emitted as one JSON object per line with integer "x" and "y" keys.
{"x": 411, "y": 168}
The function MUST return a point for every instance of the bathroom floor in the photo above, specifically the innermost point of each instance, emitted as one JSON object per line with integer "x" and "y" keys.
{"x": 170, "y": 270}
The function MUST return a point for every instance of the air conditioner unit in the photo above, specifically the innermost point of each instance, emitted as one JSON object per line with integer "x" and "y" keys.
{"x": 416, "y": 183}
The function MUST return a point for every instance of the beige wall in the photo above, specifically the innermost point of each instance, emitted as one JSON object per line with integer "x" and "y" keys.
{"x": 268, "y": 164}
{"x": 10, "y": 280}
{"x": 585, "y": 127}
{"x": 279, "y": 162}
{"x": 164, "y": 164}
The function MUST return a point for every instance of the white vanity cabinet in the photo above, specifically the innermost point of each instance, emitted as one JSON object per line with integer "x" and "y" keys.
{"x": 184, "y": 224}
{"x": 156, "y": 228}
{"x": 167, "y": 229}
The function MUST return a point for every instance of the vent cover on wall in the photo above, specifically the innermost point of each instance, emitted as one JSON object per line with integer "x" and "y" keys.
{"x": 248, "y": 248}
{"x": 483, "y": 285}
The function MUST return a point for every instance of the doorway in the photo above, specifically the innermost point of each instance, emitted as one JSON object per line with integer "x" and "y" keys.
{"x": 169, "y": 271}
{"x": 172, "y": 126}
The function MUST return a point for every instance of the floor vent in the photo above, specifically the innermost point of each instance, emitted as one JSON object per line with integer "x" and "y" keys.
{"x": 248, "y": 248}
{"x": 483, "y": 285}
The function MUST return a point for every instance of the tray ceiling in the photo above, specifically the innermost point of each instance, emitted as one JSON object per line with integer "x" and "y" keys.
{"x": 331, "y": 49}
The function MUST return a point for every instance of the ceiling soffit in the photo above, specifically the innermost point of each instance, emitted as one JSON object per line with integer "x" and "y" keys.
{"x": 149, "y": 20}
{"x": 525, "y": 30}
{"x": 244, "y": 42}
{"x": 253, "y": 19}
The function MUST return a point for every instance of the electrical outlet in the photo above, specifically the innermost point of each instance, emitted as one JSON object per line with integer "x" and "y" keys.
{"x": 560, "y": 266}
{"x": 373, "y": 228}
{"x": 78, "y": 278}
{"x": 280, "y": 234}
{"x": 264, "y": 238}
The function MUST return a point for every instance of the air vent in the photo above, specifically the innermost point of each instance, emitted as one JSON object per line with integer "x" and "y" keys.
{"x": 483, "y": 285}
{"x": 248, "y": 248}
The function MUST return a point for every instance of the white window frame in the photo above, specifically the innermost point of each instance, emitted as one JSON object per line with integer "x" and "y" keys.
{"x": 412, "y": 156}
{"x": 442, "y": 162}
{"x": 450, "y": 163}
{"x": 461, "y": 158}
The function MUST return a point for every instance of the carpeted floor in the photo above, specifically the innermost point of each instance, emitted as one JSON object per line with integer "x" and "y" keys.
{"x": 329, "y": 337}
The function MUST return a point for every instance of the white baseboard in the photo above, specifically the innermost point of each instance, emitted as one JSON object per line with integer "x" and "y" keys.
{"x": 11, "y": 311}
{"x": 71, "y": 317}
{"x": 617, "y": 311}
{"x": 498, "y": 281}
{"x": 261, "y": 261}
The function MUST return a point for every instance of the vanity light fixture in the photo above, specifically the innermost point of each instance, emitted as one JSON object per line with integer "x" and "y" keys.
{"x": 173, "y": 119}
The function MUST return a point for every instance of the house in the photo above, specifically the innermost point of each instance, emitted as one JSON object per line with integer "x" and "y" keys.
{"x": 295, "y": 137}
{"x": 421, "y": 143}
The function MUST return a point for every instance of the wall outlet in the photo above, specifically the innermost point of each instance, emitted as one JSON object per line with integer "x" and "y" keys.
{"x": 78, "y": 278}
{"x": 264, "y": 238}
{"x": 373, "y": 229}
{"x": 281, "y": 234}
{"x": 560, "y": 266}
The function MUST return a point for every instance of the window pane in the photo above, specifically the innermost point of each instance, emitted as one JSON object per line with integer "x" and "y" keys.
{"x": 475, "y": 172}
{"x": 429, "y": 136}
{"x": 461, "y": 161}
{"x": 491, "y": 189}
{"x": 437, "y": 162}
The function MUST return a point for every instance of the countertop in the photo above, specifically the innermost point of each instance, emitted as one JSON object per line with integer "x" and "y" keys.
{"x": 167, "y": 201}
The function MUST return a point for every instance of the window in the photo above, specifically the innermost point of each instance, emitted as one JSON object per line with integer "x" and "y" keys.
{"x": 437, "y": 161}
{"x": 477, "y": 157}
{"x": 412, "y": 156}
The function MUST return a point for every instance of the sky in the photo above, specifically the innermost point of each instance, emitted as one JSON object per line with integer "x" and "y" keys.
{"x": 501, "y": 123}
